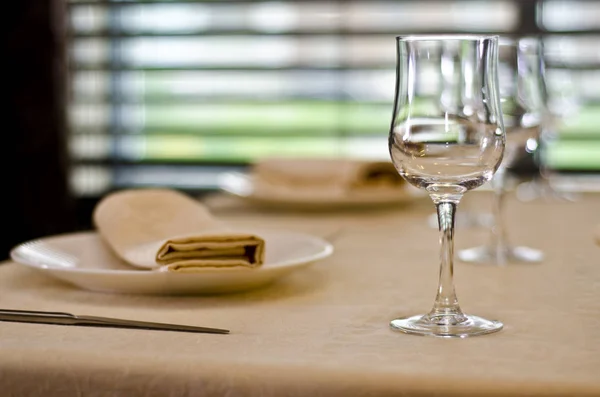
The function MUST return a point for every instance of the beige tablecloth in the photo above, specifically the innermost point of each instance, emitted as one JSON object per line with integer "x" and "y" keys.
{"x": 324, "y": 330}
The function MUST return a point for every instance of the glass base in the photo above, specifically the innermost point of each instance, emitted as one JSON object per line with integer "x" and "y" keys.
{"x": 446, "y": 326}
{"x": 491, "y": 256}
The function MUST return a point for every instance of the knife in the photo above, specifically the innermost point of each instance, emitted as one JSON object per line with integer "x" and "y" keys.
{"x": 59, "y": 318}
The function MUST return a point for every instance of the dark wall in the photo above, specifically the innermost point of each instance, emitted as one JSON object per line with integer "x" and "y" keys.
{"x": 33, "y": 161}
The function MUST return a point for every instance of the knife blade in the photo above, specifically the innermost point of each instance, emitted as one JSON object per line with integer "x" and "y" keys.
{"x": 61, "y": 318}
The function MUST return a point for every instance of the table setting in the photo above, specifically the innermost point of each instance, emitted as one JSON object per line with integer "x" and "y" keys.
{"x": 320, "y": 184}
{"x": 322, "y": 276}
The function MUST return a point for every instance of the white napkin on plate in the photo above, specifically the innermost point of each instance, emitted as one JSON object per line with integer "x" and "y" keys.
{"x": 167, "y": 230}
{"x": 326, "y": 173}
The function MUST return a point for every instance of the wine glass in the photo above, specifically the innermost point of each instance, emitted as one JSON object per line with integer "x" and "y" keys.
{"x": 523, "y": 106}
{"x": 560, "y": 102}
{"x": 447, "y": 150}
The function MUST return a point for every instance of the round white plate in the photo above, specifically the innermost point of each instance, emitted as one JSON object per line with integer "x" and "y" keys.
{"x": 82, "y": 259}
{"x": 242, "y": 185}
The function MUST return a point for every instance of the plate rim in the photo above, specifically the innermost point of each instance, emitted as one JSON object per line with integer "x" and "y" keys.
{"x": 326, "y": 250}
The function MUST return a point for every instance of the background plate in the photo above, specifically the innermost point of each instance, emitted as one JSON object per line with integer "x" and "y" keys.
{"x": 242, "y": 185}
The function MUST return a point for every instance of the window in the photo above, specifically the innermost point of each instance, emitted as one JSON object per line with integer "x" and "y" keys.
{"x": 573, "y": 59}
{"x": 170, "y": 92}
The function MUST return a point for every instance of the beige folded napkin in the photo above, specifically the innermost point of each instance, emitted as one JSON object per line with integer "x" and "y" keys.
{"x": 165, "y": 229}
{"x": 345, "y": 174}
{"x": 598, "y": 234}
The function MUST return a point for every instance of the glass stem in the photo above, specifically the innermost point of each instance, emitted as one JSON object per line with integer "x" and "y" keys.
{"x": 446, "y": 309}
{"x": 498, "y": 232}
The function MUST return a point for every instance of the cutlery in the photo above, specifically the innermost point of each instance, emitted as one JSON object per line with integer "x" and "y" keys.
{"x": 59, "y": 318}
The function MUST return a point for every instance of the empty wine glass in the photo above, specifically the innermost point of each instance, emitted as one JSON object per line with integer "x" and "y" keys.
{"x": 560, "y": 101}
{"x": 447, "y": 151}
{"x": 523, "y": 107}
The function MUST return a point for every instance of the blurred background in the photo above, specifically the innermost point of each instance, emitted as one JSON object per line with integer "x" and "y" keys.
{"x": 113, "y": 94}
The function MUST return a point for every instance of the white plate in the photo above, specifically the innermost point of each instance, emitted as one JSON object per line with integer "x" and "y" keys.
{"x": 241, "y": 185}
{"x": 82, "y": 259}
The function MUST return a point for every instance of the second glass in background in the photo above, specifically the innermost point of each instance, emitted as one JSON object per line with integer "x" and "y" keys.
{"x": 523, "y": 96}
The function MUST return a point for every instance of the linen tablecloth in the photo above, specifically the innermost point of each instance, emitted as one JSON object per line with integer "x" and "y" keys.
{"x": 324, "y": 330}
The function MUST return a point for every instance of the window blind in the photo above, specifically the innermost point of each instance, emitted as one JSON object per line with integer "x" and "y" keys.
{"x": 173, "y": 92}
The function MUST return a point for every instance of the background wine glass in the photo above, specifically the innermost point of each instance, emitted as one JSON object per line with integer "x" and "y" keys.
{"x": 447, "y": 149}
{"x": 523, "y": 107}
{"x": 561, "y": 102}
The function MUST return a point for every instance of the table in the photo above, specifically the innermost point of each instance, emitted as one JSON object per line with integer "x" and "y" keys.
{"x": 324, "y": 330}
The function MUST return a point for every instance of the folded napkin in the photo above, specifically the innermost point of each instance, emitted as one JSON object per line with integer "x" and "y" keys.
{"x": 345, "y": 174}
{"x": 165, "y": 229}
{"x": 598, "y": 234}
